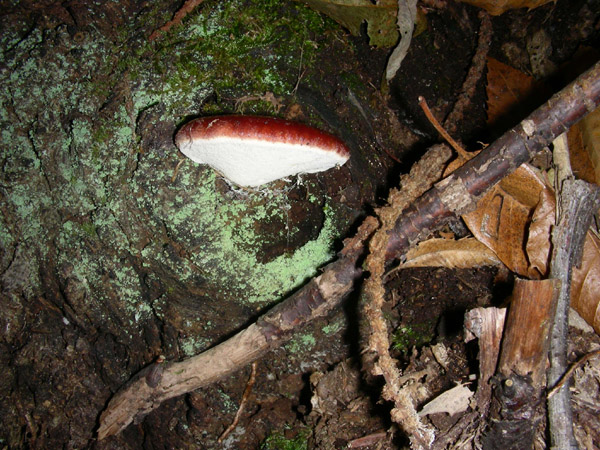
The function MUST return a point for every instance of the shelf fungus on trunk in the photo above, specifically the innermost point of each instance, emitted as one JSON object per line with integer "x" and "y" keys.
{"x": 252, "y": 150}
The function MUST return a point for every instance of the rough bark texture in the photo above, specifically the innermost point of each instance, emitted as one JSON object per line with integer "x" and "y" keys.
{"x": 451, "y": 197}
{"x": 111, "y": 251}
{"x": 422, "y": 176}
{"x": 314, "y": 300}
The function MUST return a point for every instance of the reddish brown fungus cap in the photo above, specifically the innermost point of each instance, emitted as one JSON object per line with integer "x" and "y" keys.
{"x": 251, "y": 151}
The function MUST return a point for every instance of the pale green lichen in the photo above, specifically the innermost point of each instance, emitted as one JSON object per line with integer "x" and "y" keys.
{"x": 76, "y": 169}
{"x": 301, "y": 343}
{"x": 334, "y": 326}
{"x": 222, "y": 233}
{"x": 192, "y": 345}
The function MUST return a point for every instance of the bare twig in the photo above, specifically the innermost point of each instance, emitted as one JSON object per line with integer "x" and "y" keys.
{"x": 187, "y": 7}
{"x": 440, "y": 129}
{"x": 314, "y": 300}
{"x": 474, "y": 74}
{"x": 366, "y": 441}
{"x": 567, "y": 376}
{"x": 243, "y": 402}
{"x": 578, "y": 202}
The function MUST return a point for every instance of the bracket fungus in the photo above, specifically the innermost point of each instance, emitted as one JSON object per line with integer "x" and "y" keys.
{"x": 253, "y": 150}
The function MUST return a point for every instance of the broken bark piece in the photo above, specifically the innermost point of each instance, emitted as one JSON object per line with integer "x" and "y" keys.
{"x": 486, "y": 324}
{"x": 527, "y": 329}
{"x": 517, "y": 407}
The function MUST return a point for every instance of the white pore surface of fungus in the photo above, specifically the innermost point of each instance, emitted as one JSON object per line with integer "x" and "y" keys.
{"x": 250, "y": 151}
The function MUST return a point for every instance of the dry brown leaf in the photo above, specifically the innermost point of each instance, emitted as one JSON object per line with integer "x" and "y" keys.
{"x": 585, "y": 285}
{"x": 502, "y": 220}
{"x": 522, "y": 238}
{"x": 461, "y": 254}
{"x": 583, "y": 167}
{"x": 497, "y": 7}
{"x": 590, "y": 136}
{"x": 506, "y": 89}
{"x": 538, "y": 239}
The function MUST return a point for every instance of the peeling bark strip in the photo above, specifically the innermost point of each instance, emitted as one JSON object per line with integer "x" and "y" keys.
{"x": 421, "y": 178}
{"x": 137, "y": 398}
{"x": 498, "y": 160}
{"x": 517, "y": 408}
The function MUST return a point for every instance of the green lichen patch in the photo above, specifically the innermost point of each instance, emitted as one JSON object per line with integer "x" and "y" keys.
{"x": 221, "y": 234}
{"x": 243, "y": 46}
{"x": 301, "y": 343}
{"x": 88, "y": 161}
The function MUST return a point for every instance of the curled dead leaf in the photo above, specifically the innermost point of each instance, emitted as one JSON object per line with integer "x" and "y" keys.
{"x": 515, "y": 221}
{"x": 585, "y": 284}
{"x": 538, "y": 239}
{"x": 501, "y": 222}
{"x": 460, "y": 254}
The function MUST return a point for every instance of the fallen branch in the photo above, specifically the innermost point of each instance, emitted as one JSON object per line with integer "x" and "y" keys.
{"x": 454, "y": 195}
{"x": 458, "y": 193}
{"x": 578, "y": 201}
{"x": 315, "y": 299}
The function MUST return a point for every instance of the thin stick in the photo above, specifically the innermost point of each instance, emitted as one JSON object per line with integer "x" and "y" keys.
{"x": 187, "y": 7}
{"x": 567, "y": 376}
{"x": 245, "y": 396}
{"x": 174, "y": 177}
{"x": 365, "y": 441}
{"x": 578, "y": 201}
{"x": 455, "y": 145}
{"x": 474, "y": 75}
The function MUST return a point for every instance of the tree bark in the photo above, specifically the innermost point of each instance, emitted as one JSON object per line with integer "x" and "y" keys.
{"x": 455, "y": 195}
